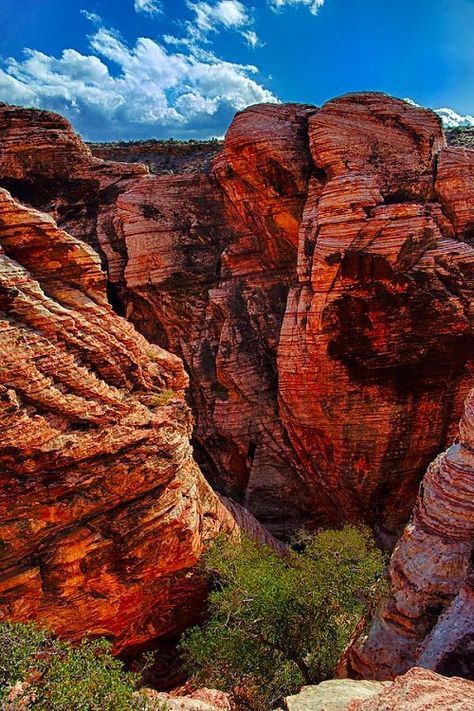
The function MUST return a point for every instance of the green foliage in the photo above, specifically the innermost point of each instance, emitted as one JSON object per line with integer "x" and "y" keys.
{"x": 60, "y": 676}
{"x": 163, "y": 398}
{"x": 21, "y": 648}
{"x": 278, "y": 623}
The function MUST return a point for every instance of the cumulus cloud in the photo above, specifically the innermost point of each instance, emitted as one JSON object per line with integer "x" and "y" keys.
{"x": 150, "y": 7}
{"x": 118, "y": 91}
{"x": 313, "y": 5}
{"x": 229, "y": 13}
{"x": 213, "y": 17}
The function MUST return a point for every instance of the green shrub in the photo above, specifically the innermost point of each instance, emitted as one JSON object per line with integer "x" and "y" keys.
{"x": 163, "y": 398}
{"x": 60, "y": 676}
{"x": 22, "y": 647}
{"x": 278, "y": 623}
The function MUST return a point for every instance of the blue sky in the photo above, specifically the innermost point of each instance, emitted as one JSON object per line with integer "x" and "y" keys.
{"x": 124, "y": 69}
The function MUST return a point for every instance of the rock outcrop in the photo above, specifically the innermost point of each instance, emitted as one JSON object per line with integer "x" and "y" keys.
{"x": 333, "y": 695}
{"x": 316, "y": 281}
{"x": 428, "y": 618}
{"x": 103, "y": 511}
{"x": 421, "y": 690}
{"x": 418, "y": 690}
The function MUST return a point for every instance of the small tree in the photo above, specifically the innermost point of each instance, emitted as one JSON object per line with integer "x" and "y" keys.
{"x": 58, "y": 676}
{"x": 278, "y": 623}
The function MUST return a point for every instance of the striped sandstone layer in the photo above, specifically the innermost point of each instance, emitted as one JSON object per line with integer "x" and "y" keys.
{"x": 316, "y": 281}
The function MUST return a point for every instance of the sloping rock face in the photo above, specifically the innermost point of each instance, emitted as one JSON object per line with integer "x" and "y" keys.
{"x": 317, "y": 283}
{"x": 103, "y": 511}
{"x": 428, "y": 618}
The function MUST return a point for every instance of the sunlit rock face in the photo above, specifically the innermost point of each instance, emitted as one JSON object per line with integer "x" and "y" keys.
{"x": 103, "y": 511}
{"x": 428, "y": 618}
{"x": 379, "y": 321}
{"x": 420, "y": 690}
{"x": 316, "y": 281}
{"x": 417, "y": 690}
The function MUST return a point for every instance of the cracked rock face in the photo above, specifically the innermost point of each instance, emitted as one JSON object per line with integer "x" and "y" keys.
{"x": 317, "y": 282}
{"x": 103, "y": 511}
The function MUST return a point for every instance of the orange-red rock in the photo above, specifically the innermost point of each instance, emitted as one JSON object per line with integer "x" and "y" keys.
{"x": 317, "y": 282}
{"x": 428, "y": 618}
{"x": 378, "y": 322}
{"x": 103, "y": 512}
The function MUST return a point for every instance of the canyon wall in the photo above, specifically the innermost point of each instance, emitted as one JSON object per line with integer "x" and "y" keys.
{"x": 428, "y": 617}
{"x": 316, "y": 281}
{"x": 103, "y": 511}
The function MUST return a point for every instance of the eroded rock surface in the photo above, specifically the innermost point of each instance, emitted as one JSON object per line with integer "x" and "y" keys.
{"x": 103, "y": 511}
{"x": 418, "y": 690}
{"x": 332, "y": 695}
{"x": 317, "y": 283}
{"x": 421, "y": 690}
{"x": 428, "y": 618}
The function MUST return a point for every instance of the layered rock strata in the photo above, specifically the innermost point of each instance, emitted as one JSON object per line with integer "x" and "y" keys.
{"x": 103, "y": 511}
{"x": 428, "y": 618}
{"x": 316, "y": 281}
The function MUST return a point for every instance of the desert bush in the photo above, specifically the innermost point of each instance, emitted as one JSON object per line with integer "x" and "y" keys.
{"x": 278, "y": 623}
{"x": 51, "y": 675}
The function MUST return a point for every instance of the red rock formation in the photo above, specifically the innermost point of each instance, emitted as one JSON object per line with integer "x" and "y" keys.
{"x": 316, "y": 282}
{"x": 374, "y": 329}
{"x": 103, "y": 511}
{"x": 428, "y": 618}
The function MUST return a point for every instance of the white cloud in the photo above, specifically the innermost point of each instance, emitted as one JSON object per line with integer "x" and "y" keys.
{"x": 252, "y": 39}
{"x": 211, "y": 17}
{"x": 449, "y": 117}
{"x": 92, "y": 16}
{"x": 229, "y": 13}
{"x": 144, "y": 91}
{"x": 313, "y": 5}
{"x": 150, "y": 7}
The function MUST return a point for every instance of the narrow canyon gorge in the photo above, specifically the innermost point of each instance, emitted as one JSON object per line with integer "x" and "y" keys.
{"x": 258, "y": 336}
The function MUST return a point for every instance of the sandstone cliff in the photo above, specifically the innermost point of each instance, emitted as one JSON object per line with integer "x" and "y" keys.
{"x": 428, "y": 618}
{"x": 103, "y": 512}
{"x": 316, "y": 281}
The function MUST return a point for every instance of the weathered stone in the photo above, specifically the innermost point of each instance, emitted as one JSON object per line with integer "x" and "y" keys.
{"x": 428, "y": 618}
{"x": 103, "y": 512}
{"x": 317, "y": 283}
{"x": 421, "y": 690}
{"x": 199, "y": 700}
{"x": 333, "y": 695}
